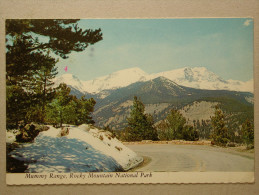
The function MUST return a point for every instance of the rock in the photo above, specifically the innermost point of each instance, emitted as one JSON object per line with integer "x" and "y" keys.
{"x": 118, "y": 148}
{"x": 23, "y": 137}
{"x": 28, "y": 132}
{"x": 64, "y": 131}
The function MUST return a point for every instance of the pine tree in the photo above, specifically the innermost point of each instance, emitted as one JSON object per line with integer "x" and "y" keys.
{"x": 29, "y": 67}
{"x": 140, "y": 124}
{"x": 247, "y": 132}
{"x": 163, "y": 130}
{"x": 40, "y": 86}
{"x": 174, "y": 127}
{"x": 83, "y": 111}
{"x": 21, "y": 67}
{"x": 220, "y": 131}
{"x": 63, "y": 35}
{"x": 66, "y": 108}
{"x": 17, "y": 105}
{"x": 176, "y": 123}
{"x": 61, "y": 108}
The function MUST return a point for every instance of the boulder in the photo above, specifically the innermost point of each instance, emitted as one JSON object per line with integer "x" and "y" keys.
{"x": 28, "y": 132}
{"x": 64, "y": 131}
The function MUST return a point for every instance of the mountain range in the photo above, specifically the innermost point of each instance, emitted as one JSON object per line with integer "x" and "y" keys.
{"x": 198, "y": 77}
{"x": 193, "y": 91}
{"x": 160, "y": 95}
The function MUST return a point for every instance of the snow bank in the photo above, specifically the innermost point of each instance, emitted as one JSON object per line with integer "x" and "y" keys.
{"x": 84, "y": 149}
{"x": 11, "y": 136}
{"x": 107, "y": 144}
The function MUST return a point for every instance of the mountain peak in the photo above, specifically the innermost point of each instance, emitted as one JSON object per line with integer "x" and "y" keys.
{"x": 70, "y": 80}
{"x": 121, "y": 78}
{"x": 163, "y": 79}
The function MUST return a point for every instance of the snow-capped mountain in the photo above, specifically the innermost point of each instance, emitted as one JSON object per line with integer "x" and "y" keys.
{"x": 198, "y": 77}
{"x": 160, "y": 95}
{"x": 70, "y": 80}
{"x": 202, "y": 78}
{"x": 115, "y": 80}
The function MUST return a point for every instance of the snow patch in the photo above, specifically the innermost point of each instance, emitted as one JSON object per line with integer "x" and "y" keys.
{"x": 11, "y": 136}
{"x": 84, "y": 149}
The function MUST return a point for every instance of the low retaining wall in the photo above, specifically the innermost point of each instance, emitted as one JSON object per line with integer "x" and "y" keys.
{"x": 170, "y": 142}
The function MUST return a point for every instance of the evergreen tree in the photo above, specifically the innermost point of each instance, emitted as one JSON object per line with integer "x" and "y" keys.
{"x": 61, "y": 109}
{"x": 24, "y": 77}
{"x": 189, "y": 133}
{"x": 163, "y": 130}
{"x": 140, "y": 124}
{"x": 220, "y": 131}
{"x": 176, "y": 123}
{"x": 174, "y": 127}
{"x": 83, "y": 111}
{"x": 41, "y": 89}
{"x": 29, "y": 67}
{"x": 150, "y": 131}
{"x": 17, "y": 105}
{"x": 66, "y": 108}
{"x": 63, "y": 35}
{"x": 247, "y": 131}
{"x": 198, "y": 124}
{"x": 205, "y": 129}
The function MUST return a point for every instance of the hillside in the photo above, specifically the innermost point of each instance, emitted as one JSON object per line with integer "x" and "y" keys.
{"x": 195, "y": 91}
{"x": 160, "y": 95}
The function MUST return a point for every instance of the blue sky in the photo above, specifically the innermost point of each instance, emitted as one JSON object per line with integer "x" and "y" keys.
{"x": 224, "y": 46}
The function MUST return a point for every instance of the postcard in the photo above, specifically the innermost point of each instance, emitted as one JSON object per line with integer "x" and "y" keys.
{"x": 101, "y": 101}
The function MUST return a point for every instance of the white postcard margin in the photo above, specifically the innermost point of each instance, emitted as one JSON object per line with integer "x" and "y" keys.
{"x": 244, "y": 9}
{"x": 128, "y": 178}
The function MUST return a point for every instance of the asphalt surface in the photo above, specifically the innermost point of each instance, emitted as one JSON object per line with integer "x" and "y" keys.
{"x": 169, "y": 158}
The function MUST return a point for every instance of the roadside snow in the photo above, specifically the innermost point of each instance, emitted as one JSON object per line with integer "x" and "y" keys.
{"x": 104, "y": 142}
{"x": 84, "y": 149}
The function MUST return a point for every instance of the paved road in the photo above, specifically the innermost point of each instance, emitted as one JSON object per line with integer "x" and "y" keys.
{"x": 167, "y": 157}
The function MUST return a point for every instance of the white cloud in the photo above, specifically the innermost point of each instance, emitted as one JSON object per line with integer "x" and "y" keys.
{"x": 247, "y": 22}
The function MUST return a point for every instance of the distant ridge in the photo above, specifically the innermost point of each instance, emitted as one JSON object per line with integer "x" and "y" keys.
{"x": 197, "y": 77}
{"x": 161, "y": 94}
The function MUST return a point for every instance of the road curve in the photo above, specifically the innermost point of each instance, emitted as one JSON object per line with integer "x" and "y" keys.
{"x": 169, "y": 158}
